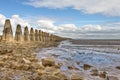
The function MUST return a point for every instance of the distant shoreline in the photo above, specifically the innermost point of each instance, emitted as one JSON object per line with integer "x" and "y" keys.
{"x": 96, "y": 41}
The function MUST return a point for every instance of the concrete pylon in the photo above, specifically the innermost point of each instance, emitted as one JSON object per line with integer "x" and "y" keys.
{"x": 18, "y": 34}
{"x": 32, "y": 35}
{"x": 51, "y": 37}
{"x": 26, "y": 34}
{"x": 7, "y": 32}
{"x": 40, "y": 35}
{"x": 47, "y": 37}
{"x": 36, "y": 35}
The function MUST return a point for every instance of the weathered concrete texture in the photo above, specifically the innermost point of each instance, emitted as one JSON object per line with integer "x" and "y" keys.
{"x": 7, "y": 32}
{"x": 44, "y": 36}
{"x": 40, "y": 37}
{"x": 18, "y": 34}
{"x": 48, "y": 37}
{"x": 36, "y": 35}
{"x": 26, "y": 34}
{"x": 51, "y": 37}
{"x": 32, "y": 35}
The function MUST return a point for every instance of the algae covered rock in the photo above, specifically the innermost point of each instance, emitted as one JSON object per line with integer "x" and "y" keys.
{"x": 86, "y": 66}
{"x": 95, "y": 72}
{"x": 48, "y": 62}
{"x": 102, "y": 74}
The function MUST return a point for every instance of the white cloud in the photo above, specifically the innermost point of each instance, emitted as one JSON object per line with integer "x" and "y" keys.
{"x": 2, "y": 19}
{"x": 91, "y": 27}
{"x": 15, "y": 19}
{"x": 46, "y": 23}
{"x": 106, "y": 7}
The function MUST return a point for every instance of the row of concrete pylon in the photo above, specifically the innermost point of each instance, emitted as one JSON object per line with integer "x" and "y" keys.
{"x": 32, "y": 35}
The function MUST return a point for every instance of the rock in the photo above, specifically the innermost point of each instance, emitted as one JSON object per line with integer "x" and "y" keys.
{"x": 102, "y": 74}
{"x": 26, "y": 61}
{"x": 1, "y": 63}
{"x": 86, "y": 67}
{"x": 49, "y": 77}
{"x": 72, "y": 68}
{"x": 18, "y": 66}
{"x": 33, "y": 60}
{"x": 36, "y": 76}
{"x": 58, "y": 65}
{"x": 118, "y": 67}
{"x": 76, "y": 77}
{"x": 9, "y": 51}
{"x": 48, "y": 62}
{"x": 25, "y": 67}
{"x": 37, "y": 66}
{"x": 4, "y": 51}
{"x": 95, "y": 72}
{"x": 15, "y": 65}
{"x": 78, "y": 63}
{"x": 61, "y": 75}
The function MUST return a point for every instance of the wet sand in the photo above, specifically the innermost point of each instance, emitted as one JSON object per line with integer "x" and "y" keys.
{"x": 86, "y": 61}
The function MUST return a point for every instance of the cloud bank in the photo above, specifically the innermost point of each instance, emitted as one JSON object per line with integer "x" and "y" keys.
{"x": 89, "y": 31}
{"x": 105, "y": 7}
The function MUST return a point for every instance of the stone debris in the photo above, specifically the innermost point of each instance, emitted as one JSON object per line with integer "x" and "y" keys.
{"x": 48, "y": 62}
{"x": 118, "y": 67}
{"x": 102, "y": 74}
{"x": 18, "y": 55}
{"x": 95, "y": 72}
{"x": 86, "y": 66}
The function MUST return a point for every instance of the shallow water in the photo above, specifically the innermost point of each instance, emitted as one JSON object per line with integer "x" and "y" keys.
{"x": 69, "y": 54}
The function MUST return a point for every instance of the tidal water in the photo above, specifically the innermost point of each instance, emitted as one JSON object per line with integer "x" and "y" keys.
{"x": 70, "y": 54}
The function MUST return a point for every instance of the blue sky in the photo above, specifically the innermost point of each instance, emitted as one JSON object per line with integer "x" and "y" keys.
{"x": 66, "y": 18}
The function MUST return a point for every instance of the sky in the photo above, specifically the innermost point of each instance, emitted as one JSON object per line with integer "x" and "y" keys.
{"x": 78, "y": 19}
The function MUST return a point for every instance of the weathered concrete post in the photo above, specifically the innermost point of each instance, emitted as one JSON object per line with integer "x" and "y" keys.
{"x": 32, "y": 35}
{"x": 7, "y": 32}
{"x": 36, "y": 35}
{"x": 43, "y": 36}
{"x": 26, "y": 34}
{"x": 18, "y": 34}
{"x": 51, "y": 37}
{"x": 47, "y": 37}
{"x": 40, "y": 38}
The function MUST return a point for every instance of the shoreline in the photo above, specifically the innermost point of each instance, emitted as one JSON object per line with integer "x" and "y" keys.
{"x": 88, "y": 64}
{"x": 19, "y": 62}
